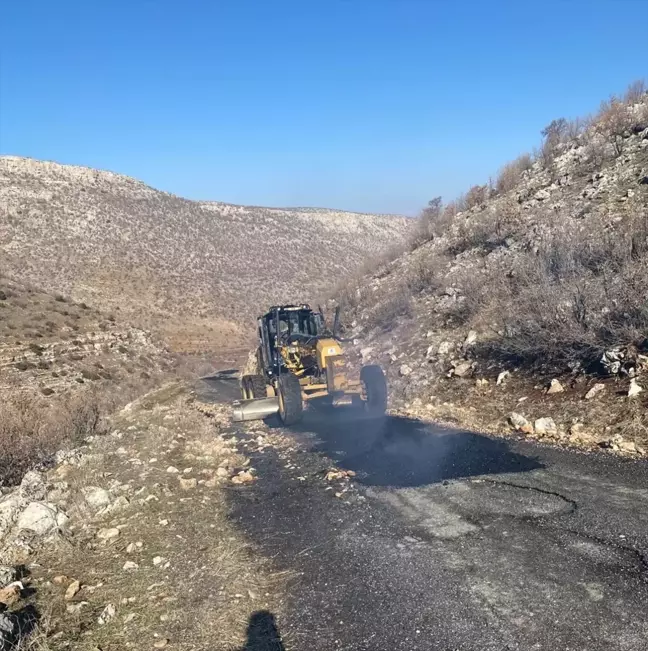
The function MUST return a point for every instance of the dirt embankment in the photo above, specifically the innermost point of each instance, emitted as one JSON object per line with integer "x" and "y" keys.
{"x": 125, "y": 543}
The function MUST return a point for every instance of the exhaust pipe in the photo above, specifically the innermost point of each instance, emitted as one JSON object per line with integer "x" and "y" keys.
{"x": 256, "y": 409}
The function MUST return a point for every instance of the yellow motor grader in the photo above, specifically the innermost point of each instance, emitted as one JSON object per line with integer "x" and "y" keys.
{"x": 298, "y": 360}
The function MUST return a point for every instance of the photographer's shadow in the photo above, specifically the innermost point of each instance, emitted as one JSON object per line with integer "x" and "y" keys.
{"x": 262, "y": 633}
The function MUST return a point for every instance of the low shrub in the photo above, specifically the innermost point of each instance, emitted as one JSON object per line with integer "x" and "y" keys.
{"x": 32, "y": 428}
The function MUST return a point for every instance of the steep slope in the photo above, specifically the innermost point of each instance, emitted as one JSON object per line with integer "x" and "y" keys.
{"x": 194, "y": 271}
{"x": 542, "y": 276}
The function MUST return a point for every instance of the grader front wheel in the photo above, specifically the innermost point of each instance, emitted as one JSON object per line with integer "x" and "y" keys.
{"x": 291, "y": 406}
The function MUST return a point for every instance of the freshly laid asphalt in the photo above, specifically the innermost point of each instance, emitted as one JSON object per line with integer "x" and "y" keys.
{"x": 448, "y": 540}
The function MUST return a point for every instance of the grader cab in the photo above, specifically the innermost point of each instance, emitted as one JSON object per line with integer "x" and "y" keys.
{"x": 300, "y": 359}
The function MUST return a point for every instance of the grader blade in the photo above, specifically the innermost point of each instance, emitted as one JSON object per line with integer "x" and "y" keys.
{"x": 255, "y": 409}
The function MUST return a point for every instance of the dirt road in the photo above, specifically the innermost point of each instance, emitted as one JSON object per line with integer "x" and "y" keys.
{"x": 447, "y": 540}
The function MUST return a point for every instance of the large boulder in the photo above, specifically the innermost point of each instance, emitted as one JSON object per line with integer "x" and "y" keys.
{"x": 41, "y": 518}
{"x": 10, "y": 506}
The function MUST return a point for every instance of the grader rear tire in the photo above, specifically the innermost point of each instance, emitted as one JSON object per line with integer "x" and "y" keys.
{"x": 291, "y": 406}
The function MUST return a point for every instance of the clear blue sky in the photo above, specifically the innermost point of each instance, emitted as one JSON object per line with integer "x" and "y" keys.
{"x": 373, "y": 105}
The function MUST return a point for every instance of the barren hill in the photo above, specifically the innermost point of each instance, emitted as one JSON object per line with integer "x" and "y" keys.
{"x": 192, "y": 270}
{"x": 540, "y": 276}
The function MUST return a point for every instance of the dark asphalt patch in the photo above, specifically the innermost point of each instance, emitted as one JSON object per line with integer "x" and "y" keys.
{"x": 403, "y": 452}
{"x": 473, "y": 544}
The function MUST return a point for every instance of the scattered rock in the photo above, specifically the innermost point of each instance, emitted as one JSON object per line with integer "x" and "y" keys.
{"x": 520, "y": 423}
{"x": 595, "y": 390}
{"x": 335, "y": 474}
{"x": 172, "y": 470}
{"x": 160, "y": 644}
{"x": 130, "y": 565}
{"x": 108, "y": 534}
{"x": 502, "y": 377}
{"x": 11, "y": 594}
{"x": 107, "y": 614}
{"x": 577, "y": 429}
{"x": 222, "y": 472}
{"x": 546, "y": 427}
{"x": 72, "y": 590}
{"x": 60, "y": 579}
{"x": 118, "y": 504}
{"x": 462, "y": 369}
{"x": 243, "y": 477}
{"x": 634, "y": 389}
{"x": 32, "y": 486}
{"x": 158, "y": 560}
{"x": 445, "y": 348}
{"x": 10, "y": 506}
{"x": 95, "y": 497}
{"x": 614, "y": 443}
{"x": 188, "y": 484}
{"x": 76, "y": 607}
{"x": 555, "y": 387}
{"x": 470, "y": 339}
{"x": 404, "y": 370}
{"x": 365, "y": 353}
{"x": 481, "y": 382}
{"x": 41, "y": 518}
{"x": 628, "y": 446}
{"x": 7, "y": 575}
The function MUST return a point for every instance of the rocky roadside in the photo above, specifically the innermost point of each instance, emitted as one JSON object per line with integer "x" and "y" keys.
{"x": 434, "y": 377}
{"x": 125, "y": 542}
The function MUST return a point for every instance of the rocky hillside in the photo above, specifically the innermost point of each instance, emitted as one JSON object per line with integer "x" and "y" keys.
{"x": 63, "y": 367}
{"x": 191, "y": 270}
{"x": 50, "y": 344}
{"x": 540, "y": 276}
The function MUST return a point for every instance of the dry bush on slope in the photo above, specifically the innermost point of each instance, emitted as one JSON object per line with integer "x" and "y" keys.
{"x": 580, "y": 293}
{"x": 511, "y": 174}
{"x": 552, "y": 272}
{"x": 32, "y": 429}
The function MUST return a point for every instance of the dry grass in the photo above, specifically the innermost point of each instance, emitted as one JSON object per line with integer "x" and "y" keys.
{"x": 511, "y": 174}
{"x": 389, "y": 309}
{"x": 597, "y": 280}
{"x": 33, "y": 428}
{"x": 215, "y": 580}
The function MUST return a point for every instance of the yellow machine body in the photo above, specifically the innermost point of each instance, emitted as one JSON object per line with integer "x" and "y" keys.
{"x": 299, "y": 359}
